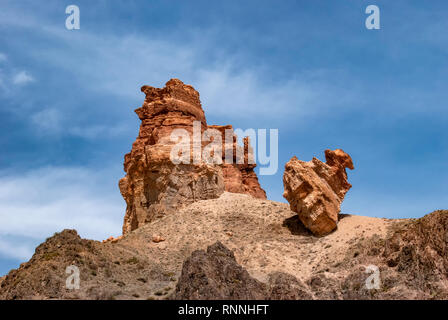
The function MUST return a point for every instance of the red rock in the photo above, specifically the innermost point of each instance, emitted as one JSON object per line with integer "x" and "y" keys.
{"x": 155, "y": 186}
{"x": 108, "y": 239}
{"x": 315, "y": 190}
{"x": 239, "y": 176}
{"x": 157, "y": 239}
{"x": 112, "y": 239}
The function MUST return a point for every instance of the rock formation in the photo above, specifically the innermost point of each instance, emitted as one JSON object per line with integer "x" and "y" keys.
{"x": 315, "y": 190}
{"x": 215, "y": 274}
{"x": 154, "y": 185}
{"x": 112, "y": 239}
{"x": 239, "y": 176}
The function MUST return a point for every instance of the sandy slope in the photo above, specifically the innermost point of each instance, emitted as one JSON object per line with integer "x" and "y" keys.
{"x": 265, "y": 237}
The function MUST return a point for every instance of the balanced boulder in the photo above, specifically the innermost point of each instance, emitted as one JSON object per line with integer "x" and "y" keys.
{"x": 315, "y": 190}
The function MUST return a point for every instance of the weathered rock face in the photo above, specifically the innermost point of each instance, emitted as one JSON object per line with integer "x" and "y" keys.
{"x": 239, "y": 176}
{"x": 215, "y": 274}
{"x": 154, "y": 185}
{"x": 420, "y": 252}
{"x": 315, "y": 190}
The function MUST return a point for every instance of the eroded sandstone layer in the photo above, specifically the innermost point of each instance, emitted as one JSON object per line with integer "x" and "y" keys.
{"x": 315, "y": 190}
{"x": 239, "y": 176}
{"x": 154, "y": 185}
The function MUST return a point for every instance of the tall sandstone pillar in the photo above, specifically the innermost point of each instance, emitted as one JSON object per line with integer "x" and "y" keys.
{"x": 154, "y": 185}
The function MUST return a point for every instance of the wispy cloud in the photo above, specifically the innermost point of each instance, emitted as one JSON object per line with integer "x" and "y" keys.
{"x": 10, "y": 79}
{"x": 22, "y": 78}
{"x": 47, "y": 120}
{"x": 117, "y": 65}
{"x": 53, "y": 121}
{"x": 116, "y": 70}
{"x": 37, "y": 203}
{"x": 245, "y": 93}
{"x": 14, "y": 249}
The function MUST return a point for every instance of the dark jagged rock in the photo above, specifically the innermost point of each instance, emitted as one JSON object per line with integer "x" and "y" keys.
{"x": 215, "y": 274}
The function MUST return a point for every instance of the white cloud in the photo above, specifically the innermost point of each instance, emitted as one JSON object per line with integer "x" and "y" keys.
{"x": 14, "y": 250}
{"x": 9, "y": 77}
{"x": 2, "y": 81}
{"x": 47, "y": 120}
{"x": 119, "y": 65}
{"x": 38, "y": 203}
{"x": 224, "y": 88}
{"x": 22, "y": 78}
{"x": 95, "y": 131}
{"x": 245, "y": 95}
{"x": 51, "y": 121}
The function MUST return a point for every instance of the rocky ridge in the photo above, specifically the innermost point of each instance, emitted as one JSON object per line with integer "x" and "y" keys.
{"x": 266, "y": 238}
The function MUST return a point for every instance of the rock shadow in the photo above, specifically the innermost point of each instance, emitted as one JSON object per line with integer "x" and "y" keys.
{"x": 296, "y": 226}
{"x": 342, "y": 216}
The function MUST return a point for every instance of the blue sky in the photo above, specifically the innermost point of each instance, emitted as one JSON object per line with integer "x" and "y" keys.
{"x": 308, "y": 68}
